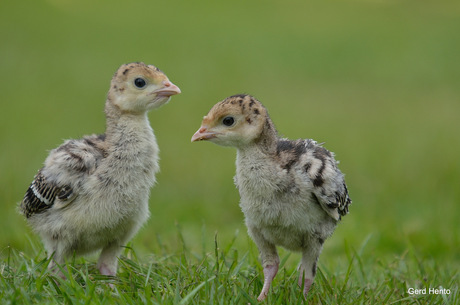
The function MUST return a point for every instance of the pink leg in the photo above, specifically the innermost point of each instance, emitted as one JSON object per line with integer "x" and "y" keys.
{"x": 269, "y": 273}
{"x": 268, "y": 256}
{"x": 57, "y": 258}
{"x": 306, "y": 283}
{"x": 308, "y": 269}
{"x": 105, "y": 270}
{"x": 108, "y": 261}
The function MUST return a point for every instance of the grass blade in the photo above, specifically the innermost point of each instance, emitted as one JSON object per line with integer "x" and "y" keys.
{"x": 194, "y": 291}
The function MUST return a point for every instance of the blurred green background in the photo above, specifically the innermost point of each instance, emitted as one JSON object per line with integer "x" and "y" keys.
{"x": 378, "y": 81}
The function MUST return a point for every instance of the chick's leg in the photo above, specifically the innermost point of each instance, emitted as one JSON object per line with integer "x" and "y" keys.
{"x": 269, "y": 274}
{"x": 269, "y": 257}
{"x": 55, "y": 249}
{"x": 308, "y": 267}
{"x": 108, "y": 260}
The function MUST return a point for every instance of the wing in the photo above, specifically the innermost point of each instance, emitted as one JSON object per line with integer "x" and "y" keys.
{"x": 42, "y": 193}
{"x": 328, "y": 182}
{"x": 317, "y": 167}
{"x": 66, "y": 169}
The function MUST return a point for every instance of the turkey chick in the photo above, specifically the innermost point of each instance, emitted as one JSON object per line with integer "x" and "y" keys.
{"x": 292, "y": 193}
{"x": 92, "y": 193}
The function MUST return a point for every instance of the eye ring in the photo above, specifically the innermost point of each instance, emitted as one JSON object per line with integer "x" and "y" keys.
{"x": 140, "y": 83}
{"x": 228, "y": 121}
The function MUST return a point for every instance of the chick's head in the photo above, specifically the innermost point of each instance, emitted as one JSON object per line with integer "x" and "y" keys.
{"x": 137, "y": 87}
{"x": 236, "y": 121}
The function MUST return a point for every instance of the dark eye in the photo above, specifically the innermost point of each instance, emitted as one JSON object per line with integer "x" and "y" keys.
{"x": 139, "y": 82}
{"x": 228, "y": 121}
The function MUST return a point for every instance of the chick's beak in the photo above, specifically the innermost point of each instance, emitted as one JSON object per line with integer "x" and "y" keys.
{"x": 203, "y": 134}
{"x": 167, "y": 90}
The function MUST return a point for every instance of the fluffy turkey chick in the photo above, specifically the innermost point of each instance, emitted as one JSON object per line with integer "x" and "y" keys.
{"x": 92, "y": 193}
{"x": 292, "y": 193}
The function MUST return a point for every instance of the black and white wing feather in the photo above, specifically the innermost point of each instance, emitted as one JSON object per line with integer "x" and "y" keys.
{"x": 66, "y": 168}
{"x": 41, "y": 195}
{"x": 318, "y": 169}
{"x": 329, "y": 186}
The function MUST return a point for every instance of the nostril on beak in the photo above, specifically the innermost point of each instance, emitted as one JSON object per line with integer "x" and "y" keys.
{"x": 169, "y": 88}
{"x": 202, "y": 129}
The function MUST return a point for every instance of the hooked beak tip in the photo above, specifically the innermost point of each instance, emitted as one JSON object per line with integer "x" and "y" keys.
{"x": 169, "y": 89}
{"x": 202, "y": 134}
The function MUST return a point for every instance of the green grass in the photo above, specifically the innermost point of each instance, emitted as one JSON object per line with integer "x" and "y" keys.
{"x": 376, "y": 80}
{"x": 223, "y": 275}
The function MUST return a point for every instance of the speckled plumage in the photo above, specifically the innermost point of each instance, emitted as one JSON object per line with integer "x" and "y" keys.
{"x": 92, "y": 193}
{"x": 292, "y": 192}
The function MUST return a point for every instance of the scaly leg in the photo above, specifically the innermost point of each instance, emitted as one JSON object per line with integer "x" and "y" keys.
{"x": 269, "y": 274}
{"x": 306, "y": 280}
{"x": 108, "y": 260}
{"x": 269, "y": 257}
{"x": 56, "y": 255}
{"x": 308, "y": 266}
